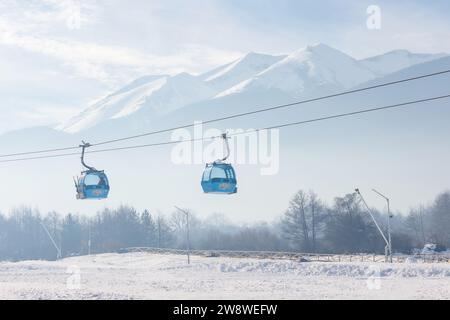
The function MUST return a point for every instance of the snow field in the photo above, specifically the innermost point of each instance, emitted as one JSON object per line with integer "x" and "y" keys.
{"x": 154, "y": 276}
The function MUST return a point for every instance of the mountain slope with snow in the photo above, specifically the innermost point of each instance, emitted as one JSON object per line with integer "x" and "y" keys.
{"x": 314, "y": 70}
{"x": 246, "y": 67}
{"x": 158, "y": 95}
{"x": 396, "y": 60}
{"x": 308, "y": 69}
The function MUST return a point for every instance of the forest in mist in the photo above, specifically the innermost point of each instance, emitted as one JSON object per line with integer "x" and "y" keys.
{"x": 308, "y": 225}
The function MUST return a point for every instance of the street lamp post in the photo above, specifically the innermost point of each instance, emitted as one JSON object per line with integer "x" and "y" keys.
{"x": 188, "y": 246}
{"x": 58, "y": 250}
{"x": 387, "y": 248}
{"x": 389, "y": 221}
{"x": 89, "y": 240}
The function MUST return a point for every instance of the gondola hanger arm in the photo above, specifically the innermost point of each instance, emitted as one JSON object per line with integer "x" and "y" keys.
{"x": 83, "y": 148}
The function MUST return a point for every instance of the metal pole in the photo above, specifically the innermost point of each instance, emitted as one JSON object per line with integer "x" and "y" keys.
{"x": 388, "y": 222}
{"x": 421, "y": 225}
{"x": 372, "y": 216}
{"x": 83, "y": 148}
{"x": 58, "y": 250}
{"x": 188, "y": 246}
{"x": 225, "y": 138}
{"x": 159, "y": 232}
{"x": 389, "y": 230}
{"x": 188, "y": 240}
{"x": 89, "y": 241}
{"x": 375, "y": 221}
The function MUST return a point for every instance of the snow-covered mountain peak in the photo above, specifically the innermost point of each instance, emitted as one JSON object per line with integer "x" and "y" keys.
{"x": 310, "y": 71}
{"x": 183, "y": 76}
{"x": 139, "y": 82}
{"x": 178, "y": 91}
{"x": 156, "y": 94}
{"x": 402, "y": 52}
{"x": 321, "y": 48}
{"x": 239, "y": 70}
{"x": 312, "y": 66}
{"x": 251, "y": 60}
{"x": 124, "y": 101}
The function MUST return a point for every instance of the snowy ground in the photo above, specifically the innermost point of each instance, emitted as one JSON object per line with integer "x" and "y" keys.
{"x": 152, "y": 276}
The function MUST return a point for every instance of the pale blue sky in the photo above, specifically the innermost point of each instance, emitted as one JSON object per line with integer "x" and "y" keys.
{"x": 55, "y": 62}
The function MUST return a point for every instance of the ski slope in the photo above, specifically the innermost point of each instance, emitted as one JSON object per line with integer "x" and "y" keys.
{"x": 153, "y": 276}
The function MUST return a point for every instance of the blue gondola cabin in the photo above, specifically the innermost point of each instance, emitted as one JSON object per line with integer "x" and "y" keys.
{"x": 219, "y": 178}
{"x": 92, "y": 184}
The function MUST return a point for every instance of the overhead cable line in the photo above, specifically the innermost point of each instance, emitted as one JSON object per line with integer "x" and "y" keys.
{"x": 279, "y": 126}
{"x": 233, "y": 116}
{"x": 282, "y": 106}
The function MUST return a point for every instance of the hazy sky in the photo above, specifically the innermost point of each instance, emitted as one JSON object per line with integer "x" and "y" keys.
{"x": 57, "y": 56}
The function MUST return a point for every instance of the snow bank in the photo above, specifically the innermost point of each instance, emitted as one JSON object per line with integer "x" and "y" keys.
{"x": 273, "y": 266}
{"x": 328, "y": 269}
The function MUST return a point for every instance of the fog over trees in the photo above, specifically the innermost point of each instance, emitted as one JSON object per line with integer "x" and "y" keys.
{"x": 308, "y": 225}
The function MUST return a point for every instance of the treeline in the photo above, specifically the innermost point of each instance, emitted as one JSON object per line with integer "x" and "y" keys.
{"x": 308, "y": 225}
{"x": 346, "y": 226}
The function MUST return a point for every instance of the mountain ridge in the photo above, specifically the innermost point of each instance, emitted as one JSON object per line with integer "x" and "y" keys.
{"x": 304, "y": 72}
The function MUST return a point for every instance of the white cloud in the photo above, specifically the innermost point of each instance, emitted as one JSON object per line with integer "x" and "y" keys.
{"x": 50, "y": 70}
{"x": 45, "y": 15}
{"x": 32, "y": 30}
{"x": 93, "y": 60}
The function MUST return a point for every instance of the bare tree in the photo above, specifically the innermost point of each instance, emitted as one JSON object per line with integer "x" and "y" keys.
{"x": 317, "y": 217}
{"x": 440, "y": 219}
{"x": 302, "y": 219}
{"x": 415, "y": 224}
